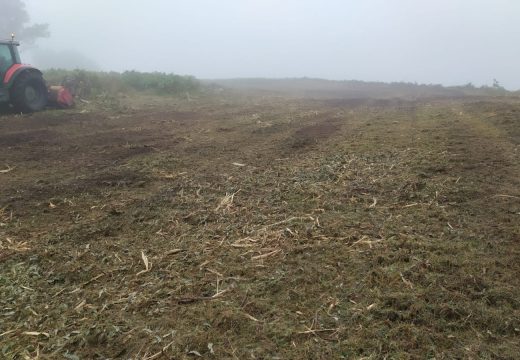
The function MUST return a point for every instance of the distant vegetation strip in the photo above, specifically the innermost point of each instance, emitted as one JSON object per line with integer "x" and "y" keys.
{"x": 92, "y": 83}
{"x": 359, "y": 89}
{"x": 88, "y": 83}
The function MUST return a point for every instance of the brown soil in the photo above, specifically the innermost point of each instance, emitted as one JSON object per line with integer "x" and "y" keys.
{"x": 262, "y": 228}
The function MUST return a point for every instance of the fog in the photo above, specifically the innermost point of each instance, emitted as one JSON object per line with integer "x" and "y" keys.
{"x": 444, "y": 41}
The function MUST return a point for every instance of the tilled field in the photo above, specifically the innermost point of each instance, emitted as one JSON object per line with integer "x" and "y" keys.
{"x": 262, "y": 228}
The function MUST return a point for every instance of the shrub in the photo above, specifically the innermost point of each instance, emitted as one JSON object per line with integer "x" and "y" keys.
{"x": 88, "y": 83}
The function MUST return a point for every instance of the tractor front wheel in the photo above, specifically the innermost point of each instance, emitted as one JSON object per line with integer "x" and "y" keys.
{"x": 29, "y": 92}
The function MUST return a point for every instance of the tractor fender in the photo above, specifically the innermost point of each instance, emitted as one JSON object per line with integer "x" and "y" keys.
{"x": 14, "y": 71}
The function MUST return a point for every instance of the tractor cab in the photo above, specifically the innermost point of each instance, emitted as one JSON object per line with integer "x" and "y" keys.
{"x": 8, "y": 56}
{"x": 22, "y": 86}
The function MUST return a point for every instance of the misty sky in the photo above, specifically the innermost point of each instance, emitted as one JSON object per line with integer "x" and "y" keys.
{"x": 426, "y": 41}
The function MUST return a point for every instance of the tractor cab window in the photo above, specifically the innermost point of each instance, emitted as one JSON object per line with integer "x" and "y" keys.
{"x": 6, "y": 58}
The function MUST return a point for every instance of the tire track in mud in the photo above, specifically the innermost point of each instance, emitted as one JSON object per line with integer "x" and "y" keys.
{"x": 487, "y": 149}
{"x": 492, "y": 165}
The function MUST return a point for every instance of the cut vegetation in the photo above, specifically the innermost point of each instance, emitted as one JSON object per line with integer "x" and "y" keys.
{"x": 253, "y": 227}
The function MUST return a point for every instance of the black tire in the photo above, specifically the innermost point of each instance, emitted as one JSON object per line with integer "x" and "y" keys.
{"x": 29, "y": 92}
{"x": 5, "y": 108}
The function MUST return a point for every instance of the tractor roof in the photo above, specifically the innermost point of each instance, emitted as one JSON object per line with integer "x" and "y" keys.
{"x": 9, "y": 42}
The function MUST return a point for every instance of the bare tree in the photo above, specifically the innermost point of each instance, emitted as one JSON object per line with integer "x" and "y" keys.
{"x": 15, "y": 19}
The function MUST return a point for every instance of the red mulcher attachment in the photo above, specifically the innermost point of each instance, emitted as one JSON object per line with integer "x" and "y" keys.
{"x": 61, "y": 97}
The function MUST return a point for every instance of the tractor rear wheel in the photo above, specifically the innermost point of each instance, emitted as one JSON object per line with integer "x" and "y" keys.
{"x": 29, "y": 92}
{"x": 4, "y": 107}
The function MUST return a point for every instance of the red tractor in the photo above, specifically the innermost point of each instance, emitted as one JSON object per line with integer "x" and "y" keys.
{"x": 20, "y": 85}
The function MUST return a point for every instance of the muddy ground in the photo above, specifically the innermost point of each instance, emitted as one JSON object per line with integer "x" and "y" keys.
{"x": 261, "y": 228}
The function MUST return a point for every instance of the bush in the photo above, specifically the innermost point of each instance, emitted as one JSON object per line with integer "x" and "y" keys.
{"x": 159, "y": 82}
{"x": 87, "y": 83}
